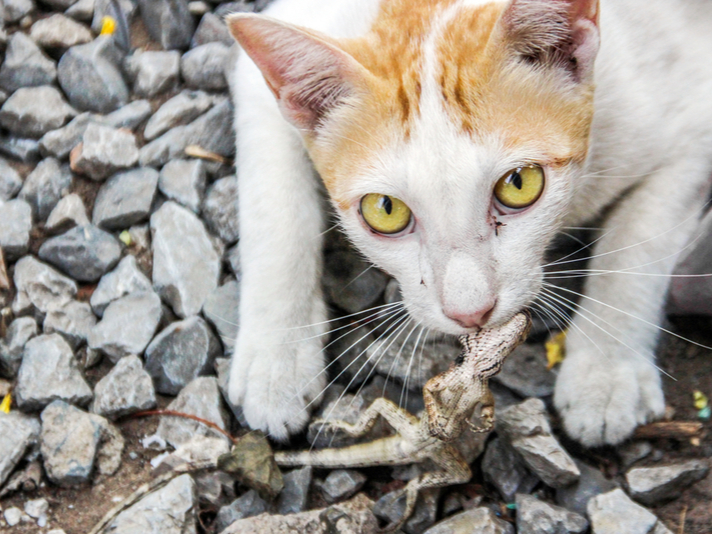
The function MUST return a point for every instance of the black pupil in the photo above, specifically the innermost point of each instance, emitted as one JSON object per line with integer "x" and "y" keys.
{"x": 388, "y": 204}
{"x": 516, "y": 179}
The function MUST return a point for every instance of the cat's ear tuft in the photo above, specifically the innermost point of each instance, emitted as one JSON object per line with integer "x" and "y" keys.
{"x": 555, "y": 33}
{"x": 307, "y": 72}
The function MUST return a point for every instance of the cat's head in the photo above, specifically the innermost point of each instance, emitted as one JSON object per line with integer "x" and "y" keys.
{"x": 450, "y": 139}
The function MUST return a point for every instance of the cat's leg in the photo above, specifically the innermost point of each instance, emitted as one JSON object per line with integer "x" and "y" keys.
{"x": 608, "y": 383}
{"x": 277, "y": 368}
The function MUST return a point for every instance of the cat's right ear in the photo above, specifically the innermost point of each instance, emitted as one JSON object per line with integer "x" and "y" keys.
{"x": 307, "y": 72}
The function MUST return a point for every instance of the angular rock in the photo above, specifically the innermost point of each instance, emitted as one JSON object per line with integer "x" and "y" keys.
{"x": 293, "y": 497}
{"x": 186, "y": 267}
{"x": 169, "y": 510}
{"x": 60, "y": 5}
{"x": 342, "y": 484}
{"x": 524, "y": 372}
{"x": 41, "y": 286}
{"x": 168, "y": 146}
{"x": 60, "y": 142}
{"x": 25, "y": 65}
{"x": 103, "y": 151}
{"x": 125, "y": 279}
{"x": 49, "y": 372}
{"x": 202, "y": 398}
{"x": 15, "y": 229}
{"x": 73, "y": 321}
{"x": 198, "y": 449}
{"x": 183, "y": 108}
{"x": 633, "y": 451}
{"x": 68, "y": 213}
{"x": 615, "y": 513}
{"x": 537, "y": 517}
{"x": 125, "y": 199}
{"x": 232, "y": 257}
{"x": 18, "y": 433}
{"x": 653, "y": 485}
{"x": 181, "y": 352}
{"x": 221, "y": 310}
{"x": 19, "y": 148}
{"x": 591, "y": 483}
{"x": 45, "y": 186}
{"x": 184, "y": 181}
{"x": 59, "y": 31}
{"x": 526, "y": 427}
{"x": 13, "y": 516}
{"x": 90, "y": 76}
{"x": 10, "y": 182}
{"x": 203, "y": 67}
{"x": 351, "y": 283}
{"x": 20, "y": 331}
{"x": 37, "y": 509}
{"x": 211, "y": 29}
{"x": 122, "y": 11}
{"x": 76, "y": 443}
{"x": 85, "y": 253}
{"x": 168, "y": 21}
{"x": 127, "y": 326}
{"x": 391, "y": 506}
{"x": 475, "y": 520}
{"x": 214, "y": 130}
{"x": 220, "y": 209}
{"x": 81, "y": 10}
{"x": 17, "y": 9}
{"x": 34, "y": 111}
{"x": 127, "y": 389}
{"x": 249, "y": 504}
{"x": 503, "y": 468}
{"x": 129, "y": 116}
{"x": 153, "y": 72}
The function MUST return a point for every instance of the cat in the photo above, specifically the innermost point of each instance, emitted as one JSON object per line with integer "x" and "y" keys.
{"x": 455, "y": 139}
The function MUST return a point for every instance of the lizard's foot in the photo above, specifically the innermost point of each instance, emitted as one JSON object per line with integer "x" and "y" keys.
{"x": 411, "y": 496}
{"x": 602, "y": 400}
{"x": 486, "y": 420}
{"x": 331, "y": 427}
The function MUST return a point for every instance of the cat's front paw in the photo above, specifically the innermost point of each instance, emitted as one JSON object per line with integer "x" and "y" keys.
{"x": 276, "y": 384}
{"x": 603, "y": 398}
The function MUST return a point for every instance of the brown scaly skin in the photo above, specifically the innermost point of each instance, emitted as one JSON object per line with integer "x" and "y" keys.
{"x": 451, "y": 399}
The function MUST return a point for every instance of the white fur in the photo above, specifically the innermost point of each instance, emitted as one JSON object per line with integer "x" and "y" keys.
{"x": 651, "y": 137}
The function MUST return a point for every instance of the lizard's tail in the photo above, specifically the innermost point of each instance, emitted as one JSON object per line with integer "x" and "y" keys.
{"x": 380, "y": 452}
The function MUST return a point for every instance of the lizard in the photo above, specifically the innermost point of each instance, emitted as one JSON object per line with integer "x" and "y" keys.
{"x": 451, "y": 399}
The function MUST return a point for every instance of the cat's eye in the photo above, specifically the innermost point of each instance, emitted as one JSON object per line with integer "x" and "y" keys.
{"x": 520, "y": 187}
{"x": 385, "y": 214}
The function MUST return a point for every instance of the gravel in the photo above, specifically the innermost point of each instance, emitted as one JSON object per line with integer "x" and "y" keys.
{"x": 125, "y": 199}
{"x": 34, "y": 111}
{"x": 127, "y": 389}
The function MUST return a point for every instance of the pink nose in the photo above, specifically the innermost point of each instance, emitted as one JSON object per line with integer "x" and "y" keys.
{"x": 471, "y": 319}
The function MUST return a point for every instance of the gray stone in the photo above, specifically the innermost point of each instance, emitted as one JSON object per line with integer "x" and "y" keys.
{"x": 85, "y": 253}
{"x": 59, "y": 31}
{"x": 127, "y": 326}
{"x": 169, "y": 510}
{"x": 503, "y": 468}
{"x": 591, "y": 483}
{"x": 10, "y": 182}
{"x": 122, "y": 11}
{"x": 633, "y": 451}
{"x": 202, "y": 398}
{"x": 537, "y": 517}
{"x": 59, "y": 143}
{"x": 211, "y": 29}
{"x": 342, "y": 484}
{"x": 198, "y": 449}
{"x": 127, "y": 389}
{"x": 68, "y": 213}
{"x": 18, "y": 433}
{"x": 184, "y": 180}
{"x": 34, "y": 111}
{"x": 653, "y": 485}
{"x": 526, "y": 427}
{"x": 37, "y": 508}
{"x": 477, "y": 520}
{"x": 19, "y": 148}
{"x": 183, "y": 108}
{"x": 49, "y": 372}
{"x": 13, "y": 516}
{"x": 125, "y": 199}
{"x": 391, "y": 506}
{"x": 221, "y": 310}
{"x": 186, "y": 267}
{"x": 60, "y": 5}
{"x": 17, "y": 9}
{"x": 293, "y": 497}
{"x": 170, "y": 145}
{"x": 20, "y": 331}
{"x": 183, "y": 351}
{"x": 351, "y": 283}
{"x": 125, "y": 279}
{"x": 615, "y": 513}
{"x": 75, "y": 444}
{"x": 44, "y": 186}
{"x": 220, "y": 209}
{"x": 203, "y": 67}
{"x": 90, "y": 76}
{"x": 153, "y": 72}
{"x": 524, "y": 372}
{"x": 41, "y": 286}
{"x": 249, "y": 504}
{"x": 25, "y": 65}
{"x": 168, "y": 21}
{"x": 82, "y": 10}
{"x": 15, "y": 229}
{"x": 103, "y": 151}
{"x": 73, "y": 321}
{"x": 198, "y": 8}
{"x": 232, "y": 257}
{"x": 129, "y": 116}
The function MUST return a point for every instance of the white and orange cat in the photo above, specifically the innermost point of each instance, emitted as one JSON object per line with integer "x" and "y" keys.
{"x": 455, "y": 138}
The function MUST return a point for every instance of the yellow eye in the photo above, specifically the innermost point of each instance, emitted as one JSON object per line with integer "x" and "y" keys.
{"x": 386, "y": 215}
{"x": 520, "y": 187}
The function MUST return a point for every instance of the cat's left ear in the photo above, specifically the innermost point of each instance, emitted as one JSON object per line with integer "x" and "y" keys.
{"x": 555, "y": 33}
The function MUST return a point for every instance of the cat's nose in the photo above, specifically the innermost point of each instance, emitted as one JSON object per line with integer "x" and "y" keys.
{"x": 472, "y": 319}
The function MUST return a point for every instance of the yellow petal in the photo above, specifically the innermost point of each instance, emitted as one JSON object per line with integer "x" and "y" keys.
{"x": 125, "y": 238}
{"x": 108, "y": 26}
{"x": 555, "y": 349}
{"x": 700, "y": 400}
{"x": 5, "y": 404}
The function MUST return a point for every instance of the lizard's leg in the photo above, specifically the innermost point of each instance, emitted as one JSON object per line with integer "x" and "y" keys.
{"x": 398, "y": 418}
{"x": 486, "y": 418}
